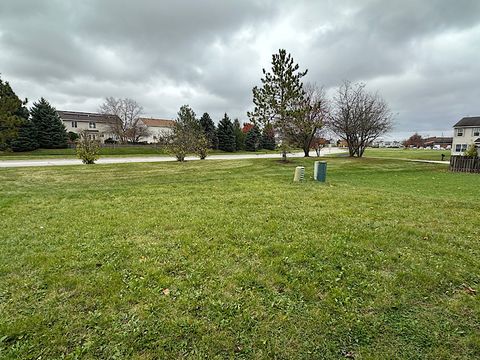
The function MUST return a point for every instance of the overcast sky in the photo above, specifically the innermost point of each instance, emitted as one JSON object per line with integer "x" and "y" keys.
{"x": 422, "y": 56}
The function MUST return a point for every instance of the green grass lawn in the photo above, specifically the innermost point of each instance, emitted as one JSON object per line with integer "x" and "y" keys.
{"x": 416, "y": 154}
{"x": 377, "y": 263}
{"x": 143, "y": 150}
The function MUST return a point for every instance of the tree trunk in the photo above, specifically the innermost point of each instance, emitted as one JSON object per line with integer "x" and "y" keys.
{"x": 284, "y": 155}
{"x": 306, "y": 152}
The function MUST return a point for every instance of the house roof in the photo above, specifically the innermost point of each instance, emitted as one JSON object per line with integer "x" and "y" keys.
{"x": 468, "y": 121}
{"x": 439, "y": 140}
{"x": 157, "y": 122}
{"x": 85, "y": 116}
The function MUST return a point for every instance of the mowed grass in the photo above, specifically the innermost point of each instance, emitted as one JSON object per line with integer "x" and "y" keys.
{"x": 413, "y": 154}
{"x": 378, "y": 263}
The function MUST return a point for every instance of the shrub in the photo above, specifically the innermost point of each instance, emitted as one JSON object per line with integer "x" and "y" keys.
{"x": 471, "y": 151}
{"x": 87, "y": 148}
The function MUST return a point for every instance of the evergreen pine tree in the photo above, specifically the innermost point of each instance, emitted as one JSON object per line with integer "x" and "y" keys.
{"x": 253, "y": 139}
{"x": 51, "y": 133}
{"x": 26, "y": 139}
{"x": 226, "y": 135}
{"x": 12, "y": 115}
{"x": 268, "y": 137}
{"x": 239, "y": 135}
{"x": 208, "y": 127}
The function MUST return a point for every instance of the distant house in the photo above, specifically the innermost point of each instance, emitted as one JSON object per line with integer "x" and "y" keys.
{"x": 437, "y": 142}
{"x": 386, "y": 144}
{"x": 156, "y": 128}
{"x": 465, "y": 132}
{"x": 97, "y": 126}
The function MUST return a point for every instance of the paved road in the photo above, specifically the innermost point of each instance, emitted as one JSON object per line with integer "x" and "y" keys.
{"x": 141, "y": 159}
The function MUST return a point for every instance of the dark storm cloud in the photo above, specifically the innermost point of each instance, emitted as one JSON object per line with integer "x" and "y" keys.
{"x": 420, "y": 55}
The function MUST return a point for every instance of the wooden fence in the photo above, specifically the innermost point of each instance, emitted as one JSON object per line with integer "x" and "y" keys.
{"x": 465, "y": 164}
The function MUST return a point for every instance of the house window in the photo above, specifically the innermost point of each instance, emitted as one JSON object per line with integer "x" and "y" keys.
{"x": 476, "y": 132}
{"x": 460, "y": 147}
{"x": 459, "y": 132}
{"x": 74, "y": 124}
{"x": 92, "y": 125}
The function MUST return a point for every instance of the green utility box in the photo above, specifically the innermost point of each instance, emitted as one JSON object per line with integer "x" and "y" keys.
{"x": 320, "y": 171}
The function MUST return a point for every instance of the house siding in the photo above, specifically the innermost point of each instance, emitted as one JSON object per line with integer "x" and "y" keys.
{"x": 460, "y": 143}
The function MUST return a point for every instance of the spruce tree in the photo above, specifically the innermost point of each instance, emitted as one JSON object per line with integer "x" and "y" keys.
{"x": 26, "y": 139}
{"x": 51, "y": 133}
{"x": 253, "y": 139}
{"x": 208, "y": 127}
{"x": 239, "y": 135}
{"x": 226, "y": 135}
{"x": 12, "y": 115}
{"x": 268, "y": 137}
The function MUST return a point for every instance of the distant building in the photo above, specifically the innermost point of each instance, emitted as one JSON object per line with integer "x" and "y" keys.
{"x": 386, "y": 144}
{"x": 437, "y": 142}
{"x": 156, "y": 129}
{"x": 97, "y": 126}
{"x": 465, "y": 132}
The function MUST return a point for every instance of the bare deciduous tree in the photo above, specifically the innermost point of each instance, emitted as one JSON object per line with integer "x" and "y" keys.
{"x": 129, "y": 128}
{"x": 309, "y": 118}
{"x": 359, "y": 117}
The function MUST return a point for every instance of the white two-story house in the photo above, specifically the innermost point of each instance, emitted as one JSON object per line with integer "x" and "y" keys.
{"x": 97, "y": 126}
{"x": 465, "y": 132}
{"x": 156, "y": 129}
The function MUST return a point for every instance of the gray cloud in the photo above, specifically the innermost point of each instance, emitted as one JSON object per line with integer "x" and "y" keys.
{"x": 421, "y": 56}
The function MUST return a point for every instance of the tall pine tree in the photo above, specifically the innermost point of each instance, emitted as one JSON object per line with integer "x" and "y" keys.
{"x": 226, "y": 135}
{"x": 51, "y": 133}
{"x": 239, "y": 135}
{"x": 13, "y": 114}
{"x": 208, "y": 127}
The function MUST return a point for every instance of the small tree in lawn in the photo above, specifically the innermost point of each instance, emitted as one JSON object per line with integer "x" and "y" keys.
{"x": 309, "y": 118}
{"x": 239, "y": 135}
{"x": 210, "y": 131}
{"x": 268, "y": 137}
{"x": 51, "y": 133}
{"x": 226, "y": 135}
{"x": 471, "y": 151}
{"x": 276, "y": 102}
{"x": 87, "y": 148}
{"x": 187, "y": 136}
{"x": 359, "y": 117}
{"x": 253, "y": 140}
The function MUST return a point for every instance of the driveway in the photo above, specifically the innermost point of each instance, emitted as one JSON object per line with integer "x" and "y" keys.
{"x": 140, "y": 159}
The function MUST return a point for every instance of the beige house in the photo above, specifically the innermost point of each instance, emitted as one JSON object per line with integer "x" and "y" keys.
{"x": 97, "y": 126}
{"x": 465, "y": 132}
{"x": 156, "y": 129}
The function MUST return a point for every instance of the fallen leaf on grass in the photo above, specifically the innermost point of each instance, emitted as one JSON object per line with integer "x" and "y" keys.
{"x": 166, "y": 291}
{"x": 469, "y": 290}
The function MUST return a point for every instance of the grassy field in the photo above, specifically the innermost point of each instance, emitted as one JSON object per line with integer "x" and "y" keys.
{"x": 105, "y": 152}
{"x": 416, "y": 154}
{"x": 230, "y": 259}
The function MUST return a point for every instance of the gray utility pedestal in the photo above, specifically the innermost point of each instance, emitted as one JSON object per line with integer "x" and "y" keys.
{"x": 320, "y": 171}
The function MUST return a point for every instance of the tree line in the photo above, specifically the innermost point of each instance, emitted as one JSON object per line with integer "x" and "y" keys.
{"x": 199, "y": 135}
{"x": 23, "y": 129}
{"x": 287, "y": 113}
{"x": 298, "y": 112}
